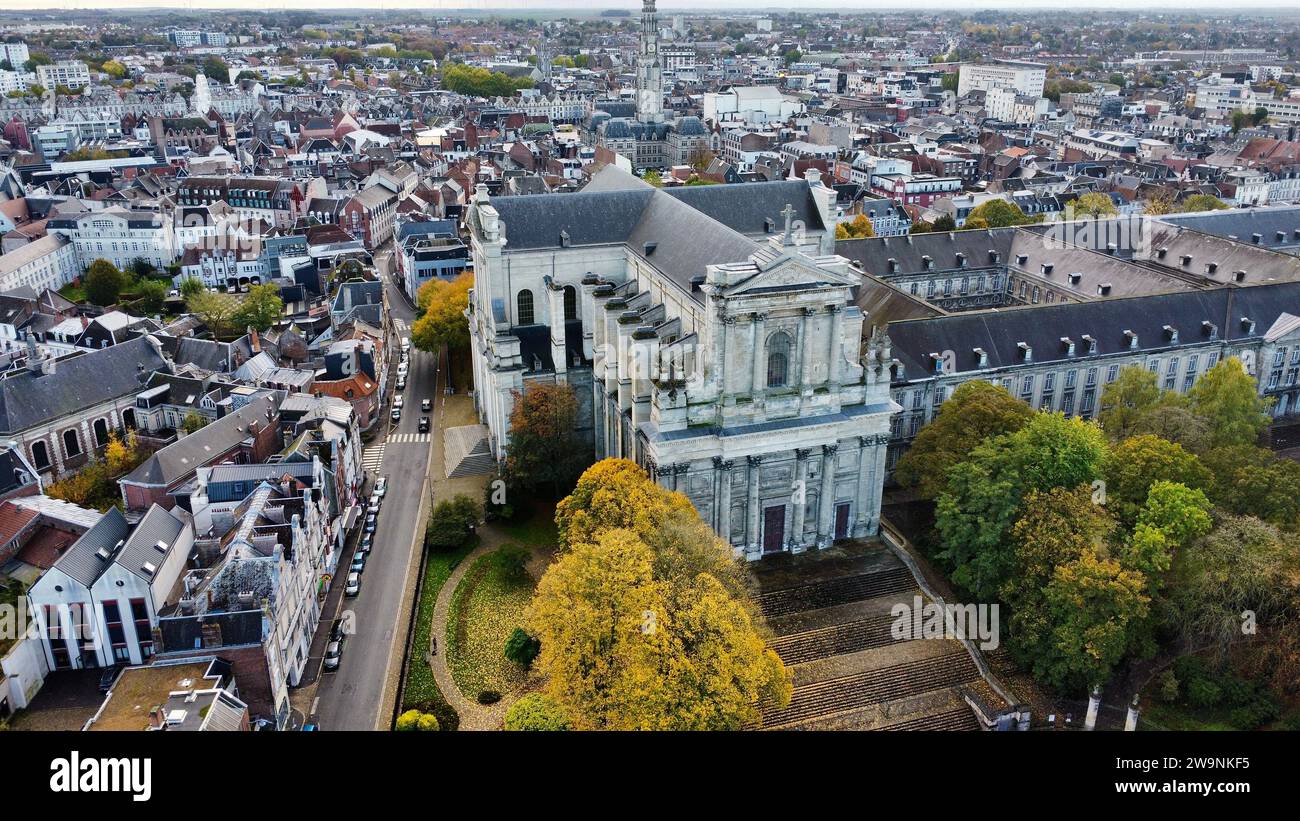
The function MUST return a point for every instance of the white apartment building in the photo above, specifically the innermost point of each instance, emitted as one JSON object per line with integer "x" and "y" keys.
{"x": 70, "y": 73}
{"x": 49, "y": 262}
{"x": 119, "y": 236}
{"x": 15, "y": 53}
{"x": 1025, "y": 78}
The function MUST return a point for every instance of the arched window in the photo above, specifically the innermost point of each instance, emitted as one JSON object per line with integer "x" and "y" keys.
{"x": 71, "y": 444}
{"x": 101, "y": 432}
{"x": 778, "y": 360}
{"x": 40, "y": 455}
{"x": 570, "y": 303}
{"x": 525, "y": 304}
{"x": 128, "y": 418}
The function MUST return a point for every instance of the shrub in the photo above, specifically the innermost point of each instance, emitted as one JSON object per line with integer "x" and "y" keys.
{"x": 522, "y": 648}
{"x": 416, "y": 721}
{"x": 1202, "y": 692}
{"x": 452, "y": 522}
{"x": 492, "y": 511}
{"x": 536, "y": 713}
{"x": 489, "y": 697}
{"x": 1169, "y": 687}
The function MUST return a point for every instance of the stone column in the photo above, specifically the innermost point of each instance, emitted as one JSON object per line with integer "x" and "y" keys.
{"x": 758, "y": 382}
{"x": 826, "y": 501}
{"x": 836, "y": 354}
{"x": 751, "y": 510}
{"x": 559, "y": 351}
{"x": 805, "y": 366}
{"x": 866, "y": 476}
{"x": 800, "y": 498}
{"x": 723, "y": 518}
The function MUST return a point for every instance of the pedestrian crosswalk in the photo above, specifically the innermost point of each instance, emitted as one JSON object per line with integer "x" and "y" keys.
{"x": 401, "y": 326}
{"x": 408, "y": 438}
{"x": 372, "y": 457}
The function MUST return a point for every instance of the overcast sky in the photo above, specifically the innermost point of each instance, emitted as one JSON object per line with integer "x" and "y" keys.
{"x": 668, "y": 5}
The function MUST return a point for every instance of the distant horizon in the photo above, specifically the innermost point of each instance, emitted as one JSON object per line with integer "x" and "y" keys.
{"x": 1191, "y": 6}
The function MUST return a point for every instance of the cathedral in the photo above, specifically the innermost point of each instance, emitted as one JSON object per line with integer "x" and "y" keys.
{"x": 647, "y": 140}
{"x": 712, "y": 337}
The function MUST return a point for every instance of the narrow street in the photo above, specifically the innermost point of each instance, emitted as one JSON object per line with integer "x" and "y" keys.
{"x": 359, "y": 696}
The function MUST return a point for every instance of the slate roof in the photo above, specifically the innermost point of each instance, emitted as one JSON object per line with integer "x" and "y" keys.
{"x": 999, "y": 332}
{"x": 81, "y": 561}
{"x": 158, "y": 525}
{"x": 199, "y": 448}
{"x": 1243, "y": 223}
{"x": 78, "y": 382}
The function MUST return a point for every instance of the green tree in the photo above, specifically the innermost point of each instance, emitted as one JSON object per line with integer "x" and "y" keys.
{"x": 1136, "y": 463}
{"x": 452, "y": 522}
{"x": 151, "y": 296}
{"x": 653, "y": 177}
{"x": 985, "y": 493}
{"x": 1228, "y": 398}
{"x": 1093, "y": 204}
{"x": 1252, "y": 481}
{"x": 104, "y": 282}
{"x": 1203, "y": 202}
{"x": 193, "y": 422}
{"x": 976, "y": 411}
{"x": 260, "y": 308}
{"x": 1000, "y": 213}
{"x": 1123, "y": 402}
{"x": 214, "y": 309}
{"x": 191, "y": 286}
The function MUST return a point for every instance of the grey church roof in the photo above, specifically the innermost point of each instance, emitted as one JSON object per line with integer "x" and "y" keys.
{"x": 77, "y": 383}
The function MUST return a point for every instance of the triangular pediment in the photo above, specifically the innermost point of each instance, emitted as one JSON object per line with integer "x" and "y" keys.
{"x": 1285, "y": 325}
{"x": 794, "y": 272}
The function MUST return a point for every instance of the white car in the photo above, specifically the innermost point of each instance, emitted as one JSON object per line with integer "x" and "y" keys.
{"x": 402, "y": 368}
{"x": 381, "y": 486}
{"x": 398, "y": 400}
{"x": 406, "y": 344}
{"x": 354, "y": 585}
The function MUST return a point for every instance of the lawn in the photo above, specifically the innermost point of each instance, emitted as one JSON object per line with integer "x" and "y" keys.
{"x": 534, "y": 527}
{"x": 421, "y": 691}
{"x": 486, "y": 607}
{"x": 1161, "y": 716}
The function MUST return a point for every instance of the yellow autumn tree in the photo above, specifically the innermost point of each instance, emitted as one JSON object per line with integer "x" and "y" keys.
{"x": 441, "y": 304}
{"x": 615, "y": 493}
{"x": 626, "y": 649}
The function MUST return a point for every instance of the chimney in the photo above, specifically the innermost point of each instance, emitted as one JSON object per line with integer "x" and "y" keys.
{"x": 254, "y": 341}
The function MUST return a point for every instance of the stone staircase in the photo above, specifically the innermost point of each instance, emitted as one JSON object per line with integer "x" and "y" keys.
{"x": 831, "y": 615}
{"x": 468, "y": 452}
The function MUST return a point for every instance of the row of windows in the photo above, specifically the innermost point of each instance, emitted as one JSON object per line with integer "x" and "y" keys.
{"x": 525, "y": 314}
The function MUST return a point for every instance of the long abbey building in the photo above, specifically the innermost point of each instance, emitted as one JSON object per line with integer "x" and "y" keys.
{"x": 712, "y": 337}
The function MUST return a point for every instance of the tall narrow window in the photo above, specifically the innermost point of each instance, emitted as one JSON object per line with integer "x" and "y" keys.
{"x": 40, "y": 456}
{"x": 525, "y": 304}
{"x": 778, "y": 361}
{"x": 570, "y": 303}
{"x": 71, "y": 444}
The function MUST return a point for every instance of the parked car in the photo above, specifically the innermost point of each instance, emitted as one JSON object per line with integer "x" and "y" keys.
{"x": 371, "y": 521}
{"x": 424, "y": 424}
{"x": 402, "y": 368}
{"x": 367, "y": 543}
{"x": 336, "y": 630}
{"x": 381, "y": 486}
{"x": 406, "y": 344}
{"x": 396, "y": 415}
{"x": 426, "y": 405}
{"x": 401, "y": 381}
{"x": 359, "y": 563}
{"x": 333, "y": 655}
{"x": 310, "y": 728}
{"x": 398, "y": 401}
{"x": 374, "y": 508}
{"x": 353, "y": 586}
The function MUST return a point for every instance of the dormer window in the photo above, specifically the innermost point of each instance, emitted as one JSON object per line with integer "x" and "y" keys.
{"x": 961, "y": 260}
{"x": 1211, "y": 267}
{"x": 1047, "y": 269}
{"x": 1161, "y": 252}
{"x": 937, "y": 360}
{"x": 1248, "y": 325}
{"x": 927, "y": 262}
{"x": 1132, "y": 340}
{"x": 1103, "y": 289}
{"x": 1187, "y": 260}
{"x": 1026, "y": 351}
{"x": 1171, "y": 334}
{"x": 1022, "y": 259}
{"x": 893, "y": 265}
{"x": 1075, "y": 278}
{"x": 982, "y": 355}
{"x": 1091, "y": 342}
{"x": 993, "y": 257}
{"x": 1239, "y": 276}
{"x": 1068, "y": 344}
{"x": 1209, "y": 329}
